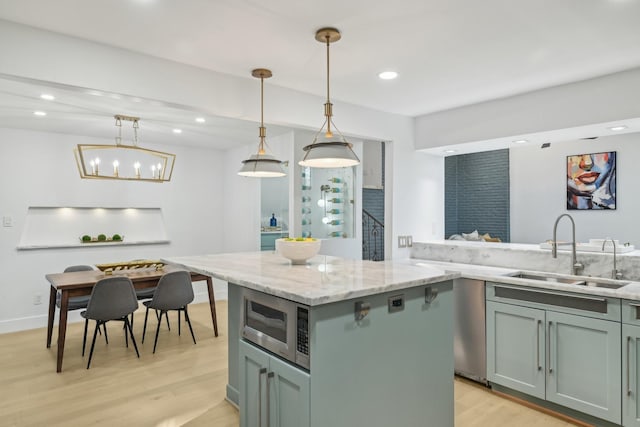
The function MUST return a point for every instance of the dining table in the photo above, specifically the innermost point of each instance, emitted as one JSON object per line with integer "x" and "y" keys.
{"x": 81, "y": 283}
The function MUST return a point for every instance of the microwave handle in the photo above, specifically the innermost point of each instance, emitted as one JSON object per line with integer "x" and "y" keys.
{"x": 260, "y": 373}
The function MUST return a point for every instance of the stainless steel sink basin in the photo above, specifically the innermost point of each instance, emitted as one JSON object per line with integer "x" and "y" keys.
{"x": 592, "y": 282}
{"x": 600, "y": 284}
{"x": 544, "y": 278}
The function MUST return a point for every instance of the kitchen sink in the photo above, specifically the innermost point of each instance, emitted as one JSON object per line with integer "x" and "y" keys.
{"x": 601, "y": 284}
{"x": 544, "y": 278}
{"x": 591, "y": 282}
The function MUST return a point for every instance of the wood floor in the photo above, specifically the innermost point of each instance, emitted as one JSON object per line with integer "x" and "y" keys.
{"x": 181, "y": 385}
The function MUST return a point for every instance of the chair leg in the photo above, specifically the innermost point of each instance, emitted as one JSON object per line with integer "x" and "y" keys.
{"x": 155, "y": 343}
{"x": 93, "y": 342}
{"x": 130, "y": 329}
{"x": 179, "y": 322}
{"x": 106, "y": 337}
{"x": 166, "y": 314}
{"x": 144, "y": 329}
{"x": 124, "y": 328}
{"x": 186, "y": 316}
{"x": 84, "y": 337}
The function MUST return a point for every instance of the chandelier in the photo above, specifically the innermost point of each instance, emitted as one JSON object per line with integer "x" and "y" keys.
{"x": 124, "y": 162}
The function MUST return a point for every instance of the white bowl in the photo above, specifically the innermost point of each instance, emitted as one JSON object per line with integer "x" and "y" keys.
{"x": 298, "y": 251}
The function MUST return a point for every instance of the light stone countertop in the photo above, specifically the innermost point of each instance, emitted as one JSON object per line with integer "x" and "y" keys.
{"x": 324, "y": 279}
{"x": 630, "y": 291}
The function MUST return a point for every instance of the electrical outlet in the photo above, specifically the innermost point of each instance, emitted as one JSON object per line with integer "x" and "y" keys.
{"x": 409, "y": 241}
{"x": 402, "y": 241}
{"x": 7, "y": 221}
{"x": 37, "y": 299}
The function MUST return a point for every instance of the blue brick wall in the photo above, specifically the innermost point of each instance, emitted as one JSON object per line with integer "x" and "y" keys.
{"x": 477, "y": 194}
{"x": 373, "y": 202}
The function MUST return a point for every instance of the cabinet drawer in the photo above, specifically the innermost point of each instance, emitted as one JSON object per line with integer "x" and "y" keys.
{"x": 595, "y": 306}
{"x": 631, "y": 312}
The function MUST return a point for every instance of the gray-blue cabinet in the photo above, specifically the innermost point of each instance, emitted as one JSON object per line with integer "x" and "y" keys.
{"x": 631, "y": 363}
{"x": 274, "y": 393}
{"x": 583, "y": 366}
{"x": 268, "y": 240}
{"x": 516, "y": 348}
{"x": 573, "y": 360}
{"x": 630, "y": 375}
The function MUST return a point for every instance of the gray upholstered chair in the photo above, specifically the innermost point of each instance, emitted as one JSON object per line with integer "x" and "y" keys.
{"x": 78, "y": 303}
{"x": 112, "y": 298}
{"x": 174, "y": 292}
{"x": 75, "y": 303}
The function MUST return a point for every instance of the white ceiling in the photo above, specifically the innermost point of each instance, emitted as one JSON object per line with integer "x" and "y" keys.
{"x": 87, "y": 112}
{"x": 448, "y": 53}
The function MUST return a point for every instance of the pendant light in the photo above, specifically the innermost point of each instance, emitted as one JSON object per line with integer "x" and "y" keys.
{"x": 262, "y": 165}
{"x": 329, "y": 151}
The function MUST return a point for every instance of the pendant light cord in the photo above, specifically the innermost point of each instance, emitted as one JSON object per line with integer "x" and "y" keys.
{"x": 262, "y": 128}
{"x": 327, "y": 106}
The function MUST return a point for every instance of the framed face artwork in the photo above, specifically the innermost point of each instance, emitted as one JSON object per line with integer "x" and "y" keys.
{"x": 591, "y": 181}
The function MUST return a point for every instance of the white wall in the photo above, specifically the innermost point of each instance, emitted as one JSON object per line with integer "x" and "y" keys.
{"x": 38, "y": 169}
{"x": 274, "y": 192}
{"x": 538, "y": 192}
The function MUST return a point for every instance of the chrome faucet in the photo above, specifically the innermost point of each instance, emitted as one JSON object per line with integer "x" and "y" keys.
{"x": 615, "y": 274}
{"x": 576, "y": 267}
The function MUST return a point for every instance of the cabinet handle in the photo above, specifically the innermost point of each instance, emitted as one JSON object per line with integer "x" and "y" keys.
{"x": 628, "y": 363}
{"x": 538, "y": 344}
{"x": 550, "y": 356}
{"x": 262, "y": 371}
{"x": 269, "y": 377}
{"x": 539, "y": 291}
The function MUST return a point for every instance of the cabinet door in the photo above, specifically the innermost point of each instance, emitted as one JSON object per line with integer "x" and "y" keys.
{"x": 254, "y": 365}
{"x": 515, "y": 347}
{"x": 630, "y": 375}
{"x": 584, "y": 366}
{"x": 288, "y": 395}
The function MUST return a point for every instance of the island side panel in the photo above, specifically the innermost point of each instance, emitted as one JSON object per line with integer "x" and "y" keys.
{"x": 233, "y": 334}
{"x": 389, "y": 369}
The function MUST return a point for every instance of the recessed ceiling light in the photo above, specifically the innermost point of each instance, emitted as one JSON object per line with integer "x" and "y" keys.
{"x": 39, "y": 113}
{"x": 450, "y": 151}
{"x": 177, "y": 131}
{"x": 520, "y": 141}
{"x": 47, "y": 97}
{"x": 388, "y": 75}
{"x": 200, "y": 119}
{"x": 617, "y": 128}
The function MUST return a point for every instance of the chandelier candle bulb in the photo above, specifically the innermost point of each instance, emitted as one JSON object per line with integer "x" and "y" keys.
{"x": 97, "y": 162}
{"x": 136, "y": 166}
{"x": 115, "y": 167}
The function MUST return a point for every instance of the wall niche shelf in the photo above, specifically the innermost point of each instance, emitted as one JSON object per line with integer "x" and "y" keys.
{"x": 61, "y": 227}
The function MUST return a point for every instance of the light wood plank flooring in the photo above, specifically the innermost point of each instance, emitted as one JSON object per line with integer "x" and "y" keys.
{"x": 182, "y": 384}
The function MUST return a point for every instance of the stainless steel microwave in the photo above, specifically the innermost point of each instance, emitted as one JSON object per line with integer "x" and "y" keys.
{"x": 276, "y": 324}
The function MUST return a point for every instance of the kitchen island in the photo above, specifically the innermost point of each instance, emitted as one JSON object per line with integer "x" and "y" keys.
{"x": 380, "y": 341}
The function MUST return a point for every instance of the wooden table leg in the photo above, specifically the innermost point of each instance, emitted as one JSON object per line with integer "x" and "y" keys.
{"x": 62, "y": 327}
{"x": 212, "y": 304}
{"x": 52, "y": 312}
